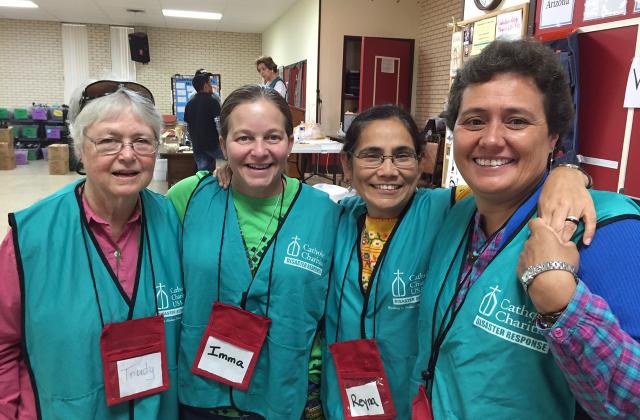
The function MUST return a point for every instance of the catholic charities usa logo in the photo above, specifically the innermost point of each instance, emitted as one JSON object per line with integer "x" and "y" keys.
{"x": 498, "y": 316}
{"x": 170, "y": 302}
{"x": 405, "y": 290}
{"x": 304, "y": 256}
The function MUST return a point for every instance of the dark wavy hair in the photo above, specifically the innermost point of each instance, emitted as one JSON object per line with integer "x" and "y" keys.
{"x": 528, "y": 58}
{"x": 378, "y": 113}
{"x": 253, "y": 93}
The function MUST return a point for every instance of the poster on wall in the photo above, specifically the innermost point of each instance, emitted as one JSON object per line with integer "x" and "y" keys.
{"x": 598, "y": 9}
{"x": 556, "y": 13}
{"x": 451, "y": 175}
{"x": 632, "y": 93}
{"x": 467, "y": 37}
{"x": 456, "y": 53}
{"x": 636, "y": 6}
{"x": 509, "y": 25}
{"x": 484, "y": 32}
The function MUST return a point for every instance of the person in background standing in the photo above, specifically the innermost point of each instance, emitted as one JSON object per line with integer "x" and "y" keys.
{"x": 200, "y": 115}
{"x": 269, "y": 72}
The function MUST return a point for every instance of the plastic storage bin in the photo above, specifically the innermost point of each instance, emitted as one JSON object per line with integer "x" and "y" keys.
{"x": 21, "y": 156}
{"x": 45, "y": 153}
{"x": 29, "y": 131}
{"x": 56, "y": 114}
{"x": 32, "y": 154}
{"x": 53, "y": 132}
{"x": 4, "y": 114}
{"x": 39, "y": 113}
{"x": 20, "y": 114}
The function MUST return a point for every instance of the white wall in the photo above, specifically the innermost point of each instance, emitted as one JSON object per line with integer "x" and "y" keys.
{"x": 471, "y": 11}
{"x": 294, "y": 37}
{"x": 376, "y": 18}
{"x": 31, "y": 65}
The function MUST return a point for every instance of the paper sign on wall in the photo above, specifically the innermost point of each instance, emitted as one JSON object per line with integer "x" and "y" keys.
{"x": 632, "y": 94}
{"x": 456, "y": 52}
{"x": 509, "y": 25}
{"x": 636, "y": 6}
{"x": 598, "y": 9}
{"x": 483, "y": 33}
{"x": 556, "y": 13}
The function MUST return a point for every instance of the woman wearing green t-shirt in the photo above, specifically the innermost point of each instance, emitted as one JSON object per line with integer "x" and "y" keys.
{"x": 254, "y": 248}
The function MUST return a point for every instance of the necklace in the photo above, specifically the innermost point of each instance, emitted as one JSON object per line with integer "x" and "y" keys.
{"x": 254, "y": 254}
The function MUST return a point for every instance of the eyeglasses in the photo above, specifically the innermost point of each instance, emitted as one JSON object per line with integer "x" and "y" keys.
{"x": 107, "y": 87}
{"x": 401, "y": 160}
{"x": 140, "y": 146}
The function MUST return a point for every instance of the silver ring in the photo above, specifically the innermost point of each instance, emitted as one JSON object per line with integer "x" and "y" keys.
{"x": 572, "y": 219}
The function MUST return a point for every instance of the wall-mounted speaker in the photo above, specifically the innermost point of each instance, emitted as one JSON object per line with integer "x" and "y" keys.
{"x": 139, "y": 47}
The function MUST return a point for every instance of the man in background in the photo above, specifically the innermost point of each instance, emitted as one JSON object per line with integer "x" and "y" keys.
{"x": 200, "y": 114}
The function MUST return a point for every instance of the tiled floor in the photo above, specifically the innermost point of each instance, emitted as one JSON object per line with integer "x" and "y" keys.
{"x": 27, "y": 184}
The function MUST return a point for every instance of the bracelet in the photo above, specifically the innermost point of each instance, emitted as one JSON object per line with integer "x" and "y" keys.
{"x": 577, "y": 167}
{"x": 544, "y": 321}
{"x": 532, "y": 271}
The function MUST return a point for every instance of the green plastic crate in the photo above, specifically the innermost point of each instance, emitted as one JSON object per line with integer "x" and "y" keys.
{"x": 32, "y": 154}
{"x": 30, "y": 131}
{"x": 20, "y": 113}
{"x": 16, "y": 131}
{"x": 4, "y": 114}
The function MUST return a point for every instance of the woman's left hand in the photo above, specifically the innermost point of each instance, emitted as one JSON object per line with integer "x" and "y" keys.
{"x": 563, "y": 195}
{"x": 549, "y": 291}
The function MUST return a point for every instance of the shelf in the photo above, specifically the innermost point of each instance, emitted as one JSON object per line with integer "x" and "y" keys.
{"x": 30, "y": 121}
{"x": 24, "y": 139}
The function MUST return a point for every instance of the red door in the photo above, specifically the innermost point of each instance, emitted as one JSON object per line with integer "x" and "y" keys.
{"x": 386, "y": 72}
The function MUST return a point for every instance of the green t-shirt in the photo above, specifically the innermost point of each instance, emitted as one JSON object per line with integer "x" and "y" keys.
{"x": 181, "y": 192}
{"x": 258, "y": 218}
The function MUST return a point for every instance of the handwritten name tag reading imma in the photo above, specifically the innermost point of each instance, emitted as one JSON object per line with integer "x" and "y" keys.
{"x": 139, "y": 374}
{"x": 225, "y": 360}
{"x": 364, "y": 400}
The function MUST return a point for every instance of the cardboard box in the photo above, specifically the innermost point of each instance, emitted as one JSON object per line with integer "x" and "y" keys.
{"x": 7, "y": 162}
{"x": 7, "y": 157}
{"x": 6, "y": 150}
{"x": 59, "y": 152}
{"x": 58, "y": 167}
{"x": 6, "y": 136}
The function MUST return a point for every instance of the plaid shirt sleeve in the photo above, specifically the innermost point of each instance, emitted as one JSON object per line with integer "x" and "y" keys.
{"x": 600, "y": 361}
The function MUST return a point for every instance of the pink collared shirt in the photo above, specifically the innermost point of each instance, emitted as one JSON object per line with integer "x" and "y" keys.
{"x": 16, "y": 395}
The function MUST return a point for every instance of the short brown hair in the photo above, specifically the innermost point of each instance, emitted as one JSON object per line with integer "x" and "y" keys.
{"x": 268, "y": 62}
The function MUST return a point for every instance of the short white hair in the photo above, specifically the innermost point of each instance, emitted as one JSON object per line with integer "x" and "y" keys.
{"x": 107, "y": 107}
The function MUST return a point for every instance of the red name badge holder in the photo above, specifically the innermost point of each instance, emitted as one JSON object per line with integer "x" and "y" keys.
{"x": 362, "y": 380}
{"x": 421, "y": 406}
{"x": 134, "y": 359}
{"x": 231, "y": 345}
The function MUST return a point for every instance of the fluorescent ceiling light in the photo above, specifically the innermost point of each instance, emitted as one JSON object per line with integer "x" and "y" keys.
{"x": 190, "y": 14}
{"x": 18, "y": 3}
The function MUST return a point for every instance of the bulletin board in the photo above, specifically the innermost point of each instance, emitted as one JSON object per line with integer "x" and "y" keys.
{"x": 469, "y": 37}
{"x": 182, "y": 90}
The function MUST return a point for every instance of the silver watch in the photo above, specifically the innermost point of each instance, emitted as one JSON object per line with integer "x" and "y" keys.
{"x": 533, "y": 270}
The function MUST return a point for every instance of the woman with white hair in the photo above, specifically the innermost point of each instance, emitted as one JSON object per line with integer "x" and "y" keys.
{"x": 91, "y": 281}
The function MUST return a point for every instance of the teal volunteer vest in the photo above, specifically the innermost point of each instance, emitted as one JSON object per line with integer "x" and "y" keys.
{"x": 398, "y": 279}
{"x": 494, "y": 362}
{"x": 60, "y": 314}
{"x": 299, "y": 276}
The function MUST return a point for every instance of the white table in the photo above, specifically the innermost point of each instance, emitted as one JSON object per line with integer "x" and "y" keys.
{"x": 317, "y": 146}
{"x": 320, "y": 146}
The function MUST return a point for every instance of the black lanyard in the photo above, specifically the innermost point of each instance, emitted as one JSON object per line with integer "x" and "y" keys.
{"x": 85, "y": 230}
{"x": 245, "y": 294}
{"x": 453, "y": 308}
{"x": 374, "y": 275}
